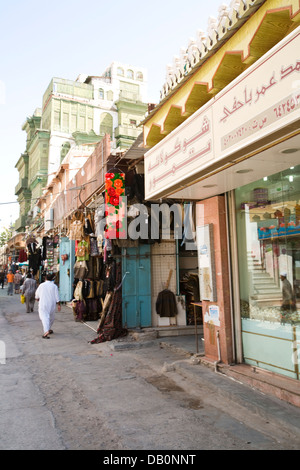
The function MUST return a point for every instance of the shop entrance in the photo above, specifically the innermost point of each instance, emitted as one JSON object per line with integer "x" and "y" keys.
{"x": 66, "y": 274}
{"x": 136, "y": 287}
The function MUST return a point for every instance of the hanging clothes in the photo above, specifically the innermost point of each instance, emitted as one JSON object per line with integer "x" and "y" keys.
{"x": 22, "y": 256}
{"x": 166, "y": 304}
{"x": 78, "y": 295}
{"x": 34, "y": 261}
{"x": 80, "y": 270}
{"x": 76, "y": 231}
{"x": 94, "y": 251}
{"x": 112, "y": 327}
{"x": 88, "y": 225}
{"x": 82, "y": 251}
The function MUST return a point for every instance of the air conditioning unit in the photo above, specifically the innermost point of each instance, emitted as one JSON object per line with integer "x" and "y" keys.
{"x": 49, "y": 219}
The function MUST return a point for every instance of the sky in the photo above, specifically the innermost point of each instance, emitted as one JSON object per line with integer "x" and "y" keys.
{"x": 63, "y": 38}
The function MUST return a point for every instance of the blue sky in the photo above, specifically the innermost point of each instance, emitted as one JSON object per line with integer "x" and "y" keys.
{"x": 41, "y": 40}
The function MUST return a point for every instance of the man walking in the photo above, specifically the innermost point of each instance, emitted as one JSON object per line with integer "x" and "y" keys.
{"x": 17, "y": 281}
{"x": 10, "y": 282}
{"x": 48, "y": 296}
{"x": 28, "y": 289}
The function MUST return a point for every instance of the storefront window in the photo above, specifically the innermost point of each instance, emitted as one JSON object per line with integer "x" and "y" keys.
{"x": 268, "y": 234}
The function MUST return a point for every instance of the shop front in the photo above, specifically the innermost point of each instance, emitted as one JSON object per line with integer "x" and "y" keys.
{"x": 237, "y": 158}
{"x": 268, "y": 227}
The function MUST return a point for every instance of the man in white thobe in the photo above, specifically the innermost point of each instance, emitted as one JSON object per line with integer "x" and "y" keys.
{"x": 48, "y": 296}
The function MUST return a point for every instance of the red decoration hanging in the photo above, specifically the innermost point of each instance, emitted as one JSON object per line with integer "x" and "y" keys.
{"x": 114, "y": 205}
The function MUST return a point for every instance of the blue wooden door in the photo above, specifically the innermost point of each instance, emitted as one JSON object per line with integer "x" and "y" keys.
{"x": 136, "y": 287}
{"x": 66, "y": 269}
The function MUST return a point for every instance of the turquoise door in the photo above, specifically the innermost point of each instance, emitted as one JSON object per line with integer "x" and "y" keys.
{"x": 136, "y": 287}
{"x": 66, "y": 269}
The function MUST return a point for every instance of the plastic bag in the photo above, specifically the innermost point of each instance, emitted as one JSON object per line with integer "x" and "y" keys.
{"x": 22, "y": 298}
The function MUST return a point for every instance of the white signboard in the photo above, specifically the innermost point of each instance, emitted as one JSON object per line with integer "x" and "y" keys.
{"x": 180, "y": 154}
{"x": 263, "y": 99}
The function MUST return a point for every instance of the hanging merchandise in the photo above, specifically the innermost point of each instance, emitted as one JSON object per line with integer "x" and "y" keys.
{"x": 166, "y": 304}
{"x": 110, "y": 325}
{"x": 105, "y": 307}
{"x": 82, "y": 250}
{"x": 88, "y": 225}
{"x": 34, "y": 255}
{"x": 49, "y": 254}
{"x": 79, "y": 310}
{"x": 64, "y": 258}
{"x": 22, "y": 256}
{"x": 94, "y": 251}
{"x": 78, "y": 291}
{"x": 115, "y": 206}
{"x": 76, "y": 231}
{"x": 80, "y": 269}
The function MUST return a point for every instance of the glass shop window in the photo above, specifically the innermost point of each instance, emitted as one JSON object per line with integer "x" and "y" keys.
{"x": 268, "y": 235}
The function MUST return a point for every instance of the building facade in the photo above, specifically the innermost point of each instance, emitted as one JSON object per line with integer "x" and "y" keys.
{"x": 226, "y": 137}
{"x": 74, "y": 117}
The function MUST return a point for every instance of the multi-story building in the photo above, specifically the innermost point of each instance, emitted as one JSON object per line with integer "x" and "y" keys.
{"x": 76, "y": 115}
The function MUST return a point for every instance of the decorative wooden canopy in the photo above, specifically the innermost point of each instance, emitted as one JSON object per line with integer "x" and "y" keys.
{"x": 258, "y": 26}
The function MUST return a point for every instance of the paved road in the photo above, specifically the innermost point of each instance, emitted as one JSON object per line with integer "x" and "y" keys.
{"x": 67, "y": 394}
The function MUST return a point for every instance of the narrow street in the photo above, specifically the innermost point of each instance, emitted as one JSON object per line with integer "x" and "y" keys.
{"x": 67, "y": 394}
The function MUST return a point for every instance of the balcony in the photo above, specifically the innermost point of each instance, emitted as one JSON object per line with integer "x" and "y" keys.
{"x": 126, "y": 95}
{"x": 20, "y": 223}
{"x": 23, "y": 184}
{"x": 127, "y": 131}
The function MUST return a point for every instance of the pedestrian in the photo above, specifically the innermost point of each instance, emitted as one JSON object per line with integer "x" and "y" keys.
{"x": 10, "y": 282}
{"x": 288, "y": 304}
{"x": 2, "y": 278}
{"x": 17, "y": 280}
{"x": 23, "y": 278}
{"x": 48, "y": 296}
{"x": 28, "y": 289}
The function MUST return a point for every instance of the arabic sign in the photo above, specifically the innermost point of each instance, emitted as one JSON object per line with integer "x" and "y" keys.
{"x": 272, "y": 115}
{"x": 251, "y": 107}
{"x": 263, "y": 99}
{"x": 180, "y": 154}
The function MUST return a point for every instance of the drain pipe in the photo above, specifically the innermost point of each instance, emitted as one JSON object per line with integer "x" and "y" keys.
{"x": 219, "y": 352}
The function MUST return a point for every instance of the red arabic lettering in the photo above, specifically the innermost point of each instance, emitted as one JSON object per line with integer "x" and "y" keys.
{"x": 288, "y": 106}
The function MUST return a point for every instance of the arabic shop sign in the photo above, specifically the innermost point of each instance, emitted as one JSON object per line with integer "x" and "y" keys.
{"x": 265, "y": 98}
{"x": 180, "y": 153}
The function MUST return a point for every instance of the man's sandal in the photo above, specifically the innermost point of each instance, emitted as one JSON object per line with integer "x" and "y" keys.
{"x": 45, "y": 336}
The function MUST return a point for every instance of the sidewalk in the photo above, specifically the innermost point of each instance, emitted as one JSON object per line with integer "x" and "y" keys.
{"x": 272, "y": 384}
{"x": 263, "y": 393}
{"x": 225, "y": 401}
